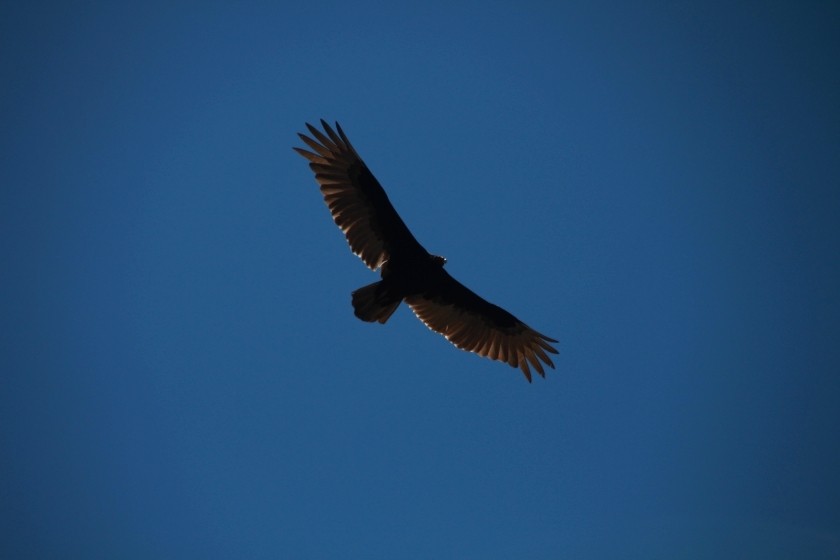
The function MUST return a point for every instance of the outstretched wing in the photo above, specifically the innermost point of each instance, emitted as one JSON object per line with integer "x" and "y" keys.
{"x": 476, "y": 325}
{"x": 356, "y": 200}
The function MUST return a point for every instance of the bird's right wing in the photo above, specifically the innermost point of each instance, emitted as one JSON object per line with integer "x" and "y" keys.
{"x": 357, "y": 202}
{"x": 474, "y": 324}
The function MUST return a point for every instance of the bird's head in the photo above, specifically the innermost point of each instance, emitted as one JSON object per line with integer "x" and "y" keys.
{"x": 438, "y": 260}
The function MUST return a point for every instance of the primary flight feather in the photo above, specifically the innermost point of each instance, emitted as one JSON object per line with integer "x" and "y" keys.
{"x": 377, "y": 234}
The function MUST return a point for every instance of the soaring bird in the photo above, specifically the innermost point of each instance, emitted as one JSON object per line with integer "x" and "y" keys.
{"x": 377, "y": 234}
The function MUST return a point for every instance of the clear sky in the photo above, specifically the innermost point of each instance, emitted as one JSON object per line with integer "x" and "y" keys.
{"x": 656, "y": 185}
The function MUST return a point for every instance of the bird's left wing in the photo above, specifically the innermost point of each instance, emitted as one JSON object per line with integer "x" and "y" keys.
{"x": 471, "y": 323}
{"x": 357, "y": 202}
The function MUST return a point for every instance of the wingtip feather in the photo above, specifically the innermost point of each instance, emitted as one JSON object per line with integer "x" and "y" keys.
{"x": 523, "y": 365}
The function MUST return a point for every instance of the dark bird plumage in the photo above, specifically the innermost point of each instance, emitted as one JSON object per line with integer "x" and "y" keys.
{"x": 377, "y": 234}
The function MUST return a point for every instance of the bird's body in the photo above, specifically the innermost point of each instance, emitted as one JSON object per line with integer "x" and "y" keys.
{"x": 409, "y": 273}
{"x": 401, "y": 278}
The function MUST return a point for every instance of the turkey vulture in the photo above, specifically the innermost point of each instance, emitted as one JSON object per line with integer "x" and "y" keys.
{"x": 377, "y": 234}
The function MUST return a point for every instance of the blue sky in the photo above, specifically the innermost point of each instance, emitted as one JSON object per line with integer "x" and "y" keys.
{"x": 656, "y": 185}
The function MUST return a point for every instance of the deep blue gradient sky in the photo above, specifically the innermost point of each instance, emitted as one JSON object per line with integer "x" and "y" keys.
{"x": 656, "y": 185}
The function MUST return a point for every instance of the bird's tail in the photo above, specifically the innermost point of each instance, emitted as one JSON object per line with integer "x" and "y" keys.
{"x": 374, "y": 303}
